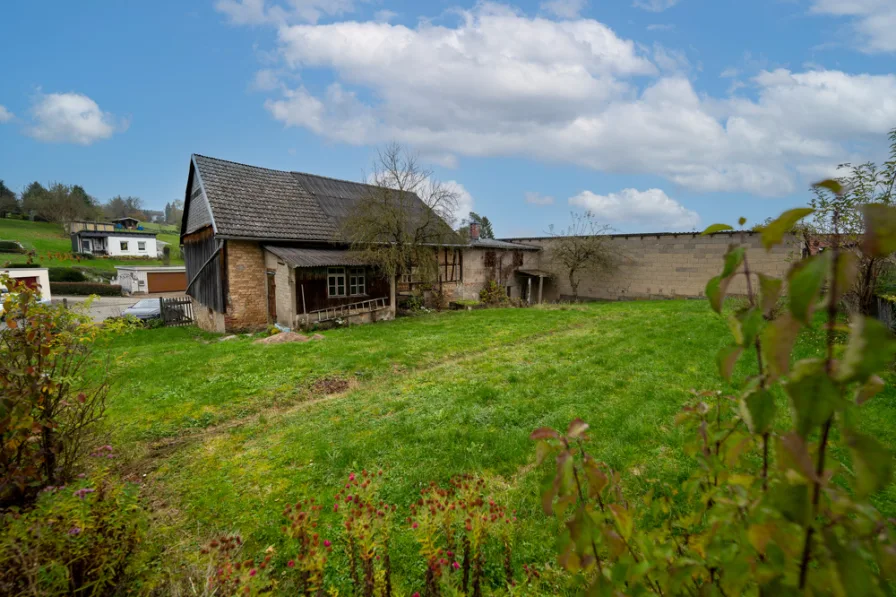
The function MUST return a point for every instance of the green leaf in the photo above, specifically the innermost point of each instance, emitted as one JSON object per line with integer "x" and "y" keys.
{"x": 733, "y": 258}
{"x": 716, "y": 228}
{"x": 873, "y": 464}
{"x": 880, "y": 230}
{"x": 870, "y": 349}
{"x": 804, "y": 283}
{"x": 813, "y": 396}
{"x": 758, "y": 411}
{"x": 793, "y": 455}
{"x": 831, "y": 184}
{"x": 845, "y": 276}
{"x": 852, "y": 571}
{"x": 792, "y": 501}
{"x": 542, "y": 451}
{"x": 777, "y": 343}
{"x": 751, "y": 322}
{"x": 726, "y": 359}
{"x": 773, "y": 233}
{"x": 715, "y": 291}
{"x": 869, "y": 390}
{"x": 623, "y": 517}
{"x": 769, "y": 292}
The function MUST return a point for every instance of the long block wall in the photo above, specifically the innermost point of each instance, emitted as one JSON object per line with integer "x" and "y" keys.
{"x": 664, "y": 265}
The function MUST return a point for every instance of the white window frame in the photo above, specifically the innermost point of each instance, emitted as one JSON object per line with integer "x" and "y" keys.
{"x": 336, "y": 286}
{"x": 357, "y": 281}
{"x": 123, "y": 245}
{"x": 141, "y": 245}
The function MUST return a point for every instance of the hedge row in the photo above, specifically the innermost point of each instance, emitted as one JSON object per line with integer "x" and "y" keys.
{"x": 11, "y": 246}
{"x": 66, "y": 274}
{"x": 20, "y": 265}
{"x": 85, "y": 288}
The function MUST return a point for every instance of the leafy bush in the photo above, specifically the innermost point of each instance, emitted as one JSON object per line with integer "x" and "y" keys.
{"x": 65, "y": 274}
{"x": 85, "y": 288}
{"x": 20, "y": 265}
{"x": 11, "y": 246}
{"x": 77, "y": 539}
{"x": 49, "y": 405}
{"x": 84, "y": 256}
{"x": 766, "y": 511}
{"x": 493, "y": 294}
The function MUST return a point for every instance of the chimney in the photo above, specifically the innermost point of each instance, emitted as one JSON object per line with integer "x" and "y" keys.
{"x": 474, "y": 231}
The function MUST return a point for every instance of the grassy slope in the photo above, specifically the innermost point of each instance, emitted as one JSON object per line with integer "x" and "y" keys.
{"x": 50, "y": 240}
{"x": 436, "y": 396}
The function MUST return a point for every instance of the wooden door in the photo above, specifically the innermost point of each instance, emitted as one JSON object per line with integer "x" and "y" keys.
{"x": 166, "y": 281}
{"x": 272, "y": 296}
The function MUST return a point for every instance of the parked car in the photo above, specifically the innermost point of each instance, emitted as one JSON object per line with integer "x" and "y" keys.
{"x": 145, "y": 309}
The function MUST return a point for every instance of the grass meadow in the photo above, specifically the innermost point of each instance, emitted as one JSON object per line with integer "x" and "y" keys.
{"x": 224, "y": 433}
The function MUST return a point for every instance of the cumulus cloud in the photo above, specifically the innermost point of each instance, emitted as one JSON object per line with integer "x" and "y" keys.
{"x": 464, "y": 200}
{"x": 642, "y": 208}
{"x": 265, "y": 80}
{"x": 873, "y": 20}
{"x": 655, "y": 5}
{"x": 500, "y": 83}
{"x": 533, "y": 198}
{"x": 259, "y": 12}
{"x": 5, "y": 115}
{"x": 564, "y": 9}
{"x": 71, "y": 118}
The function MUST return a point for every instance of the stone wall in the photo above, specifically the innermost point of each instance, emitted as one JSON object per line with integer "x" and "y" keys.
{"x": 664, "y": 266}
{"x": 207, "y": 318}
{"x": 501, "y": 266}
{"x": 285, "y": 289}
{"x": 246, "y": 294}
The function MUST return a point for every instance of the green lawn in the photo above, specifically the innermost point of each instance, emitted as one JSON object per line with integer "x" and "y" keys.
{"x": 53, "y": 246}
{"x": 227, "y": 432}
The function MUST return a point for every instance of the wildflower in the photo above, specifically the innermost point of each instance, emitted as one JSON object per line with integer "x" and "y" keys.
{"x": 81, "y": 493}
{"x": 414, "y": 526}
{"x": 291, "y": 564}
{"x": 74, "y": 531}
{"x": 327, "y": 543}
{"x": 455, "y": 565}
{"x": 335, "y": 507}
{"x": 253, "y": 572}
{"x": 351, "y": 476}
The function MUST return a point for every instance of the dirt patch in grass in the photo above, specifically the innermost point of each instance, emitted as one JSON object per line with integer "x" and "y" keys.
{"x": 330, "y": 385}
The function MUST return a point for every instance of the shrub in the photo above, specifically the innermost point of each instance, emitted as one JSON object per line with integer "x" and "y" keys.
{"x": 65, "y": 274}
{"x": 77, "y": 539}
{"x": 11, "y": 246}
{"x": 85, "y": 288}
{"x": 492, "y": 294}
{"x": 765, "y": 511}
{"x": 49, "y": 405}
{"x": 9, "y": 265}
{"x": 84, "y": 256}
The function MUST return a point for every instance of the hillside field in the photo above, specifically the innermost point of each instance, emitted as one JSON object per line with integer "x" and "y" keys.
{"x": 224, "y": 433}
{"x": 53, "y": 245}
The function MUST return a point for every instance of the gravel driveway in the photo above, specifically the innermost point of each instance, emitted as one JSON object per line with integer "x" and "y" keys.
{"x": 105, "y": 307}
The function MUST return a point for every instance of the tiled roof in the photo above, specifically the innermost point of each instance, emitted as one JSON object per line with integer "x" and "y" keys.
{"x": 491, "y": 243}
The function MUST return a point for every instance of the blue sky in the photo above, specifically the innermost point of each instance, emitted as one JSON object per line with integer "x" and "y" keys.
{"x": 655, "y": 114}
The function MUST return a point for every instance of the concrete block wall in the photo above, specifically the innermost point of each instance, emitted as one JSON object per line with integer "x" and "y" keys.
{"x": 246, "y": 298}
{"x": 665, "y": 266}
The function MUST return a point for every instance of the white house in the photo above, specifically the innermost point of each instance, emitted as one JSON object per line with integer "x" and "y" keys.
{"x": 142, "y": 280}
{"x": 33, "y": 277}
{"x": 113, "y": 239}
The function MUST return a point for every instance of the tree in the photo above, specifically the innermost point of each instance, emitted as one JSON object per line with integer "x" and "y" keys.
{"x": 485, "y": 226}
{"x": 583, "y": 247}
{"x": 9, "y": 203}
{"x": 124, "y": 207}
{"x": 863, "y": 184}
{"x": 33, "y": 196}
{"x": 391, "y": 228}
{"x": 174, "y": 211}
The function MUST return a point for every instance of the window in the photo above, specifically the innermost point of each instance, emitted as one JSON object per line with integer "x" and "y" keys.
{"x": 124, "y": 245}
{"x": 357, "y": 281}
{"x": 141, "y": 245}
{"x": 336, "y": 281}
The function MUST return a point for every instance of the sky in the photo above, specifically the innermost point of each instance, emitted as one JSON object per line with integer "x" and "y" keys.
{"x": 656, "y": 115}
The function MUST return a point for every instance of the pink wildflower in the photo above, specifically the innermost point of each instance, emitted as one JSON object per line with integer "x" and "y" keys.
{"x": 291, "y": 564}
{"x": 253, "y": 572}
{"x": 327, "y": 543}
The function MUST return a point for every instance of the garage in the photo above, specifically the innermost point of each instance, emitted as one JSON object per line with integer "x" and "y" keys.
{"x": 166, "y": 281}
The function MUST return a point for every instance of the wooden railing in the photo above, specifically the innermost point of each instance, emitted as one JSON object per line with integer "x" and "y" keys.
{"x": 338, "y": 312}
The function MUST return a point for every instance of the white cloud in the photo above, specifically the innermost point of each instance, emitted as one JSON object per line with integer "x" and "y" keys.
{"x": 259, "y": 12}
{"x": 265, "y": 80}
{"x": 642, "y": 208}
{"x": 71, "y": 118}
{"x": 533, "y": 198}
{"x": 564, "y": 9}
{"x": 873, "y": 20}
{"x": 655, "y": 5}
{"x": 661, "y": 27}
{"x": 384, "y": 16}
{"x": 730, "y": 73}
{"x": 464, "y": 200}
{"x": 499, "y": 83}
{"x": 5, "y": 115}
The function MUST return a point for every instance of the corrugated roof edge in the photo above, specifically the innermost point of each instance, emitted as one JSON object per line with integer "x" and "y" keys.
{"x": 630, "y": 234}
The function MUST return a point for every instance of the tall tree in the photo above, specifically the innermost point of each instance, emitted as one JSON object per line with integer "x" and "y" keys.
{"x": 9, "y": 203}
{"x": 174, "y": 211}
{"x": 485, "y": 226}
{"x": 581, "y": 248}
{"x": 391, "y": 229}
{"x": 32, "y": 198}
{"x": 124, "y": 207}
{"x": 864, "y": 184}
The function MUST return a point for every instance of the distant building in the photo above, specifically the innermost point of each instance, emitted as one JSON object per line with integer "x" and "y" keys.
{"x": 114, "y": 239}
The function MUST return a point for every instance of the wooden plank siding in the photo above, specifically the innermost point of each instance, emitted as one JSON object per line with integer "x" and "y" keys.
{"x": 208, "y": 288}
{"x": 313, "y": 281}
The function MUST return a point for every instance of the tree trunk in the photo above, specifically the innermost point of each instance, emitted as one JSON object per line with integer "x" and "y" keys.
{"x": 574, "y": 284}
{"x": 393, "y": 306}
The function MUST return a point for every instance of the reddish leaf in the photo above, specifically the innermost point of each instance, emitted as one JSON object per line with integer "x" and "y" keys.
{"x": 576, "y": 428}
{"x": 544, "y": 433}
